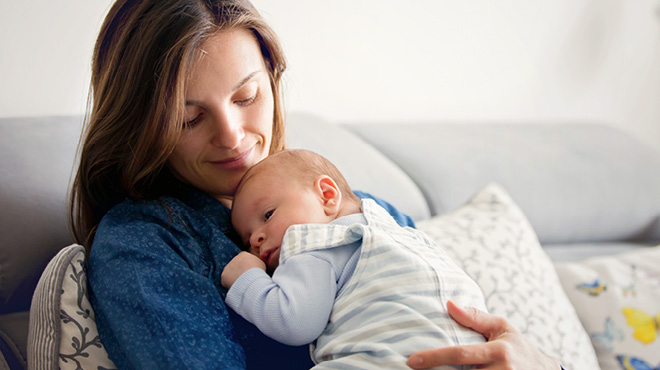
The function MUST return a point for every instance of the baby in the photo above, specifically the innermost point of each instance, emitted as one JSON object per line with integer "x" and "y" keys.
{"x": 367, "y": 292}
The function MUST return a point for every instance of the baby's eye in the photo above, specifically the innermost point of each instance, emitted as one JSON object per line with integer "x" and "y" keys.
{"x": 268, "y": 214}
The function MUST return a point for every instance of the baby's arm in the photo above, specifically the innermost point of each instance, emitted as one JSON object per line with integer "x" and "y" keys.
{"x": 294, "y": 305}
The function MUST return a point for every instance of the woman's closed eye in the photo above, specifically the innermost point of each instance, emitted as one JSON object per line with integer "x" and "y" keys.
{"x": 192, "y": 122}
{"x": 242, "y": 102}
{"x": 247, "y": 101}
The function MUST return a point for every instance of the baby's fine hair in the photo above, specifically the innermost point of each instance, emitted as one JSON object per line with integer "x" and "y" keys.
{"x": 309, "y": 165}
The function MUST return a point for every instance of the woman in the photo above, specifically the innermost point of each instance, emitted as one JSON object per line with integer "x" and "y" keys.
{"x": 186, "y": 97}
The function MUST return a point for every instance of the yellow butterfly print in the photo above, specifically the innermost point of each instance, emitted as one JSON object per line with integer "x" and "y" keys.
{"x": 646, "y": 326}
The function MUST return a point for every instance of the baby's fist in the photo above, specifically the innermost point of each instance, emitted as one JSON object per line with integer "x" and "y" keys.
{"x": 237, "y": 266}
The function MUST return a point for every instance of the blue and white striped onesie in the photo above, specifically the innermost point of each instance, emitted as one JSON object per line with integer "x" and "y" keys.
{"x": 389, "y": 299}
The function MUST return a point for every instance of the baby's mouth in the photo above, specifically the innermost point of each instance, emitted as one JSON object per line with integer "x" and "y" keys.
{"x": 266, "y": 255}
{"x": 270, "y": 255}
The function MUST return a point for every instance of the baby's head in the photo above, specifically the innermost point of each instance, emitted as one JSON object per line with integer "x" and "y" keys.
{"x": 288, "y": 188}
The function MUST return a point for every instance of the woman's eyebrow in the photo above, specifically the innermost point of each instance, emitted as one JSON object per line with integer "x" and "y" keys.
{"x": 245, "y": 80}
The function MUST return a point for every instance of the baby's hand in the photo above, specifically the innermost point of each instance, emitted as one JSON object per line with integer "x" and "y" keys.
{"x": 237, "y": 266}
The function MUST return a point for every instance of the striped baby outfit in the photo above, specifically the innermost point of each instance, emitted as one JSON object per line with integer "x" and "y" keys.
{"x": 394, "y": 304}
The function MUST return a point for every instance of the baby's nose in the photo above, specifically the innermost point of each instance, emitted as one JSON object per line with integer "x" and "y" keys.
{"x": 257, "y": 239}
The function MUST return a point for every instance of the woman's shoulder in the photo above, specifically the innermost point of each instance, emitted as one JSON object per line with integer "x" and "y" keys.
{"x": 401, "y": 218}
{"x": 144, "y": 214}
{"x": 166, "y": 228}
{"x": 140, "y": 220}
{"x": 136, "y": 209}
{"x": 146, "y": 207}
{"x": 190, "y": 210}
{"x": 190, "y": 219}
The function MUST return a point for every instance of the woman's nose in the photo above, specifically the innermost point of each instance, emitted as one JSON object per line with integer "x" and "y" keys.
{"x": 228, "y": 130}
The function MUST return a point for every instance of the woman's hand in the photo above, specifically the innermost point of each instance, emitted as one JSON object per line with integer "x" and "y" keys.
{"x": 506, "y": 347}
{"x": 237, "y": 266}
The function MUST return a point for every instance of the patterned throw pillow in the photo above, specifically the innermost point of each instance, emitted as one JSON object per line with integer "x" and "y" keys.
{"x": 63, "y": 332}
{"x": 492, "y": 240}
{"x": 618, "y": 300}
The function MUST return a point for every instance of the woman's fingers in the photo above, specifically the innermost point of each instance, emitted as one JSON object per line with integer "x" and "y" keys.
{"x": 498, "y": 353}
{"x": 474, "y": 354}
{"x": 488, "y": 325}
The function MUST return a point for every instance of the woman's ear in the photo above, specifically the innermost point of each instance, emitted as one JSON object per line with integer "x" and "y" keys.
{"x": 329, "y": 193}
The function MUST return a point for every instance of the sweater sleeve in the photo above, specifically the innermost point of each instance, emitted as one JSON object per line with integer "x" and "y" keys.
{"x": 154, "y": 295}
{"x": 294, "y": 305}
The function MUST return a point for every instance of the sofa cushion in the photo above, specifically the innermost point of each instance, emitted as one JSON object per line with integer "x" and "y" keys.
{"x": 491, "y": 239}
{"x": 575, "y": 182}
{"x": 364, "y": 167}
{"x": 618, "y": 301}
{"x": 63, "y": 332}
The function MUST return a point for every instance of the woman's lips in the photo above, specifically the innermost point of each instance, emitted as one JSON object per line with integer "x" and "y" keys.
{"x": 236, "y": 162}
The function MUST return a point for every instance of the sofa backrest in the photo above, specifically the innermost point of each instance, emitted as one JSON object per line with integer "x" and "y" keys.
{"x": 364, "y": 166}
{"x": 575, "y": 182}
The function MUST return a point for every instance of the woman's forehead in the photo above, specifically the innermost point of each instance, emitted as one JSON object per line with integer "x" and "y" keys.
{"x": 227, "y": 60}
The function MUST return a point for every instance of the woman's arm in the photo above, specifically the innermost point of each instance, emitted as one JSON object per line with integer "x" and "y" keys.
{"x": 506, "y": 347}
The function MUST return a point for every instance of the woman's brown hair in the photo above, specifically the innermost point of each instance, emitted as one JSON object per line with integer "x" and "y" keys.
{"x": 142, "y": 57}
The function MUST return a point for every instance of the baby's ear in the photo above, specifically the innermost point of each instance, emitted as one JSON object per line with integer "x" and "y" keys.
{"x": 330, "y": 194}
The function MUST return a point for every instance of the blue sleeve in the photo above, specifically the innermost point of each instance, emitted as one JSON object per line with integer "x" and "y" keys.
{"x": 154, "y": 295}
{"x": 400, "y": 217}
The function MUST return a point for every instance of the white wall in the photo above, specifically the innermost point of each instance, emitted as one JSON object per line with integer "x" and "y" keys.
{"x": 527, "y": 61}
{"x": 45, "y": 53}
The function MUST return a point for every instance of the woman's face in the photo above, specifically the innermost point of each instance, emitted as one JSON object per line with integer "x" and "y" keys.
{"x": 228, "y": 115}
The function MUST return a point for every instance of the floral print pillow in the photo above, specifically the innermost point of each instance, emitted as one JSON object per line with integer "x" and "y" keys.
{"x": 618, "y": 301}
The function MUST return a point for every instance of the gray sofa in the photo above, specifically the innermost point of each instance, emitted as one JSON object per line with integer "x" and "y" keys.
{"x": 586, "y": 189}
